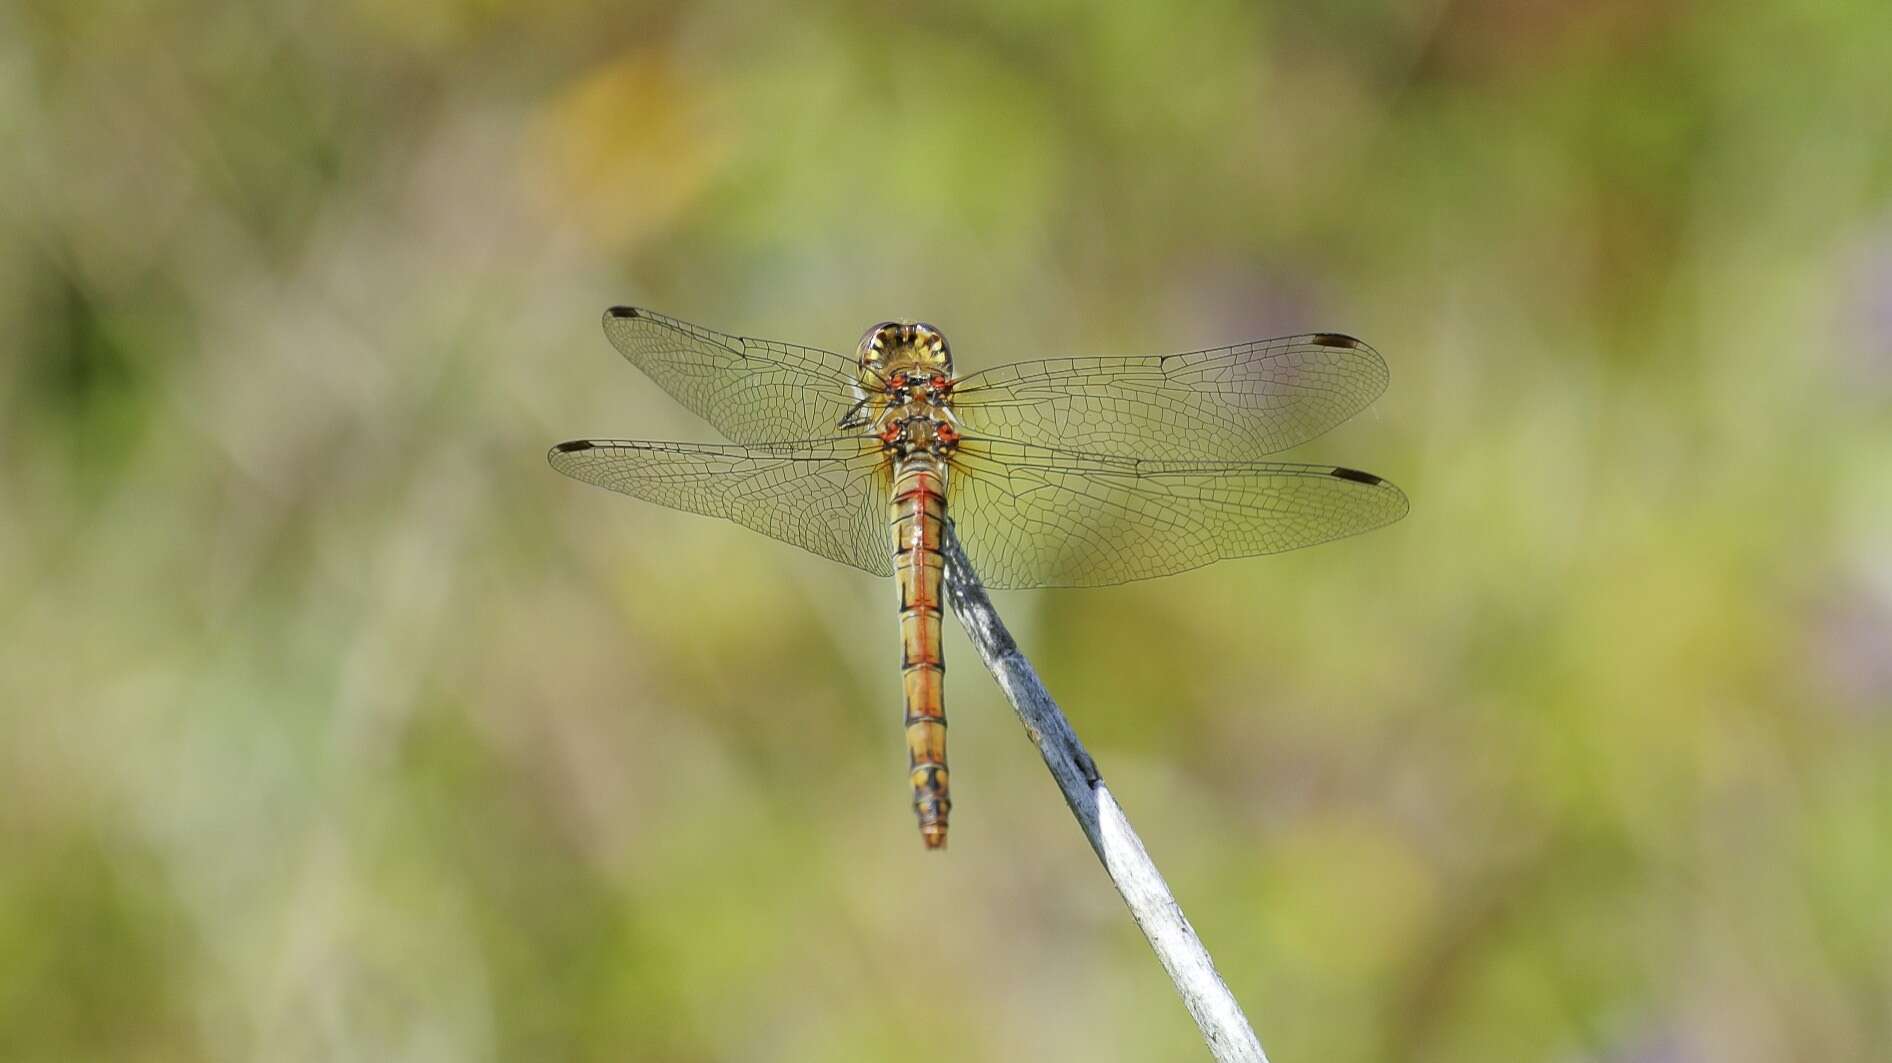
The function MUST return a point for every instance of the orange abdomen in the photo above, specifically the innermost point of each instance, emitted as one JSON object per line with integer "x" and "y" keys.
{"x": 918, "y": 517}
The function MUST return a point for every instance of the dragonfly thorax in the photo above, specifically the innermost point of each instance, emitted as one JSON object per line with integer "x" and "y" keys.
{"x": 905, "y": 435}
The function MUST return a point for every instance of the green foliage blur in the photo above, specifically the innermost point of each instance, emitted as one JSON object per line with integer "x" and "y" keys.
{"x": 335, "y": 726}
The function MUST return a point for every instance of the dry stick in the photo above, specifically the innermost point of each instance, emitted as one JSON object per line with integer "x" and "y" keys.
{"x": 1203, "y": 992}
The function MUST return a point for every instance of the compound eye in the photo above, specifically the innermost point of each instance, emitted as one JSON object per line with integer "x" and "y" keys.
{"x": 877, "y": 339}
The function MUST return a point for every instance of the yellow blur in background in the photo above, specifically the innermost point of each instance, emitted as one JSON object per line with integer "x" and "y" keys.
{"x": 334, "y": 725}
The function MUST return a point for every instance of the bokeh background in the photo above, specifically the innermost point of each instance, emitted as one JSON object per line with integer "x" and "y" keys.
{"x": 335, "y": 726}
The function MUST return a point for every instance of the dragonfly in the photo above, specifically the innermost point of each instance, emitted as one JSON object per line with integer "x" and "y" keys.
{"x": 1060, "y": 472}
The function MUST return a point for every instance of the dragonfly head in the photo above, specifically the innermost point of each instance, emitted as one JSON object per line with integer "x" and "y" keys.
{"x": 913, "y": 345}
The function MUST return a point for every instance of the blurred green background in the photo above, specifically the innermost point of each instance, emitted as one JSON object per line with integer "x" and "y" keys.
{"x": 335, "y": 726}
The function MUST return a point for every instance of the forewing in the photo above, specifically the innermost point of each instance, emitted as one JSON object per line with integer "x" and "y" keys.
{"x": 1039, "y": 517}
{"x": 826, "y": 496}
{"x": 1233, "y": 403}
{"x": 752, "y": 391}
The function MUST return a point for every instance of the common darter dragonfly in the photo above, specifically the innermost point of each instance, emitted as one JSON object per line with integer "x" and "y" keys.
{"x": 1064, "y": 472}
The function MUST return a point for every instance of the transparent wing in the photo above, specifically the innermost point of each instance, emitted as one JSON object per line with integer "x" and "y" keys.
{"x": 827, "y": 496}
{"x": 1040, "y": 517}
{"x": 1228, "y": 404}
{"x": 753, "y": 391}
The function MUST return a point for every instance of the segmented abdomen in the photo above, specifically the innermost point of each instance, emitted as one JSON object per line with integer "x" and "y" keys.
{"x": 918, "y": 516}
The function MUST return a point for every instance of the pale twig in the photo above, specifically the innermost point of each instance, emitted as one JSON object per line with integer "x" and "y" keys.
{"x": 1203, "y": 992}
